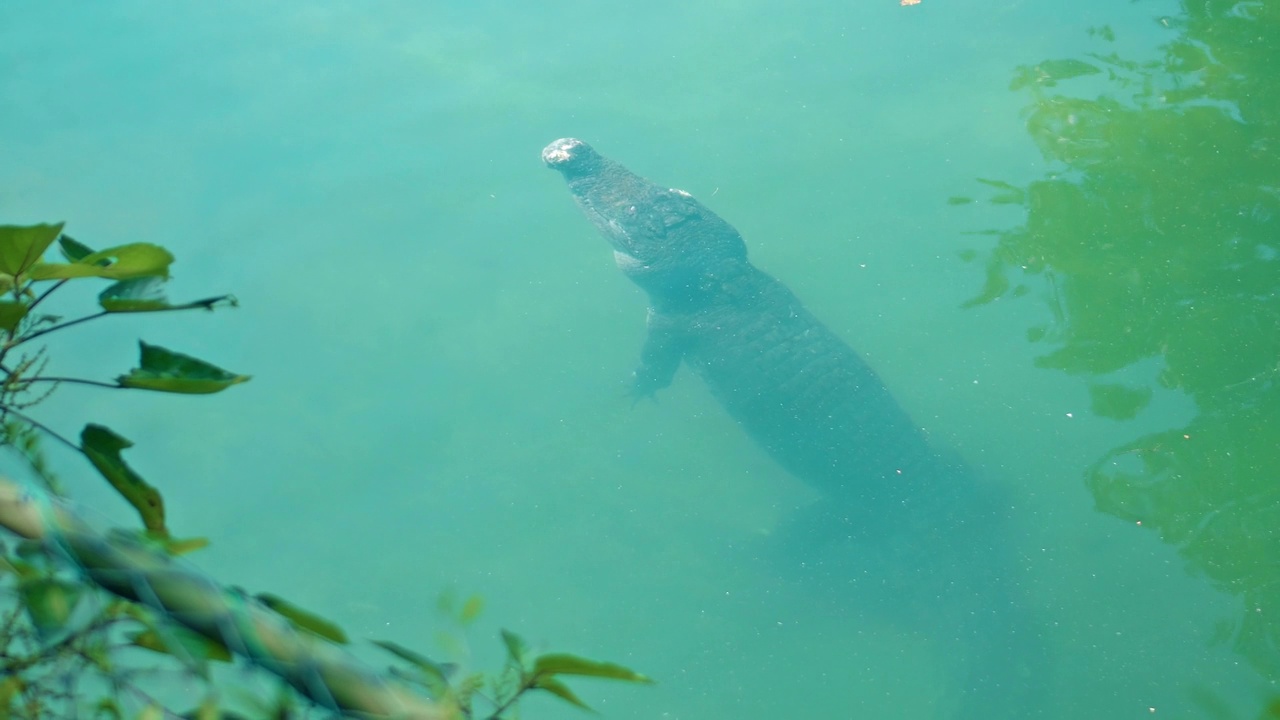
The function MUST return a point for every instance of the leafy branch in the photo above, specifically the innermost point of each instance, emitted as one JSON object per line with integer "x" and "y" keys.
{"x": 139, "y": 271}
{"x": 47, "y": 649}
{"x": 523, "y": 673}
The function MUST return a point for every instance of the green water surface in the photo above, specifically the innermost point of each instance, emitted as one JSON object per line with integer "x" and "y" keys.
{"x": 1051, "y": 227}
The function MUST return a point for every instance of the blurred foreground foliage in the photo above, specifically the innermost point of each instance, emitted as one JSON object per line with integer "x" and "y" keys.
{"x": 112, "y": 624}
{"x": 1153, "y": 243}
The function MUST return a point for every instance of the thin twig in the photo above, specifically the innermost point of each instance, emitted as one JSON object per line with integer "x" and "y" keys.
{"x": 77, "y": 381}
{"x": 526, "y": 684}
{"x": 46, "y": 331}
{"x": 46, "y": 294}
{"x": 42, "y": 427}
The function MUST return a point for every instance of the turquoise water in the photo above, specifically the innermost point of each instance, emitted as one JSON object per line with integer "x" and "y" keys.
{"x": 440, "y": 344}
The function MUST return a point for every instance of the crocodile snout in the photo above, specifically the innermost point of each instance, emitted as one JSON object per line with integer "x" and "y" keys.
{"x": 568, "y": 155}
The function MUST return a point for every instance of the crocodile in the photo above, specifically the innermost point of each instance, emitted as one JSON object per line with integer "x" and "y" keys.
{"x": 822, "y": 413}
{"x": 801, "y": 393}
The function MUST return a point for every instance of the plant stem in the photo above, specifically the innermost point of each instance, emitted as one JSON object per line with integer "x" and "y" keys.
{"x": 40, "y": 426}
{"x": 46, "y": 294}
{"x": 46, "y": 331}
{"x": 16, "y": 665}
{"x": 526, "y": 684}
{"x": 78, "y": 381}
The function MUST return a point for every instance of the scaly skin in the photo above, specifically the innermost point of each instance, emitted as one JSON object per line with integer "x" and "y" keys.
{"x": 911, "y": 531}
{"x": 800, "y": 391}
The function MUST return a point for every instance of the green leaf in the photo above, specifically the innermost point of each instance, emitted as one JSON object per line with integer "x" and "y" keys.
{"x": 412, "y": 657}
{"x": 11, "y": 314}
{"x": 471, "y": 609}
{"x": 516, "y": 648}
{"x": 102, "y": 447}
{"x": 167, "y": 371}
{"x": 50, "y": 603}
{"x": 562, "y": 691}
{"x": 304, "y": 619}
{"x": 468, "y": 686}
{"x": 134, "y": 295}
{"x": 209, "y": 709}
{"x": 10, "y": 688}
{"x": 146, "y": 294}
{"x": 562, "y": 664}
{"x": 435, "y": 675}
{"x": 176, "y": 547}
{"x": 191, "y": 644}
{"x": 22, "y": 246}
{"x": 72, "y": 249}
{"x": 157, "y": 542}
{"x": 122, "y": 262}
{"x": 108, "y": 708}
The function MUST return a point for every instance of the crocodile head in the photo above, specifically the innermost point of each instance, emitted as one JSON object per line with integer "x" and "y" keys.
{"x": 662, "y": 238}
